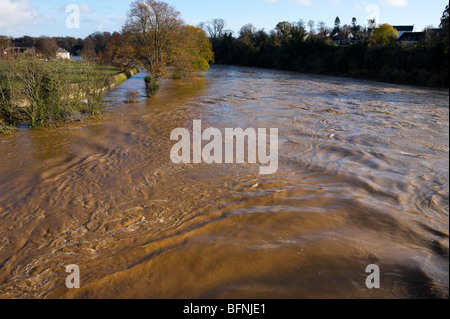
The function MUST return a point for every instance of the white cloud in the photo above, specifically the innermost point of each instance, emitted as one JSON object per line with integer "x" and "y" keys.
{"x": 397, "y": 3}
{"x": 16, "y": 15}
{"x": 302, "y": 2}
{"x": 85, "y": 8}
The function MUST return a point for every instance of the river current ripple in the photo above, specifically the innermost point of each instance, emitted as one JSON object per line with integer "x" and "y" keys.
{"x": 363, "y": 179}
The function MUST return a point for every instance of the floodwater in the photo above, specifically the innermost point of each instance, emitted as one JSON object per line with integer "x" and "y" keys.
{"x": 363, "y": 179}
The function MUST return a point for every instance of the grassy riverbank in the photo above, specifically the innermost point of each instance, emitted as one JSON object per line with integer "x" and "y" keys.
{"x": 41, "y": 93}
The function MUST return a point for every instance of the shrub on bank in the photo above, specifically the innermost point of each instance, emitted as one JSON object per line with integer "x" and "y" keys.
{"x": 39, "y": 92}
{"x": 7, "y": 109}
{"x": 151, "y": 86}
{"x": 5, "y": 128}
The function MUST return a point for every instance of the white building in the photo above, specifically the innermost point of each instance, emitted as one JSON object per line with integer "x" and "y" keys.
{"x": 62, "y": 54}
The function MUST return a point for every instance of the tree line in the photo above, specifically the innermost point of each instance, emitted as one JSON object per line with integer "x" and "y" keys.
{"x": 93, "y": 47}
{"x": 374, "y": 53}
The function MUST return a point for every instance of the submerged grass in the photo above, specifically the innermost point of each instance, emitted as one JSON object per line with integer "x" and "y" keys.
{"x": 5, "y": 129}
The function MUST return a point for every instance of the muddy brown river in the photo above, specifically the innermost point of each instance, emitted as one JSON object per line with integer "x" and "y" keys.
{"x": 363, "y": 179}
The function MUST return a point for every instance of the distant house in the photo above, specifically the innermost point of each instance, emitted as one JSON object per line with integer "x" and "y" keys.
{"x": 341, "y": 39}
{"x": 403, "y": 28}
{"x": 62, "y": 54}
{"x": 355, "y": 40}
{"x": 411, "y": 38}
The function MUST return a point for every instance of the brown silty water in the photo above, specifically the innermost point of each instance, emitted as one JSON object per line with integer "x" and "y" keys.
{"x": 363, "y": 179}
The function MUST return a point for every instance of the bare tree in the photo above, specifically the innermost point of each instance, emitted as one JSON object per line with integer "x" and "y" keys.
{"x": 215, "y": 28}
{"x": 47, "y": 47}
{"x": 201, "y": 25}
{"x": 311, "y": 25}
{"x": 88, "y": 51}
{"x": 155, "y": 28}
{"x": 322, "y": 29}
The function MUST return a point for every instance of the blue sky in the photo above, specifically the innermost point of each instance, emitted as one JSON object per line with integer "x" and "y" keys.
{"x": 48, "y": 17}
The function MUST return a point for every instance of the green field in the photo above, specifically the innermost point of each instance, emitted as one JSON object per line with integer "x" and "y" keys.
{"x": 77, "y": 71}
{"x": 42, "y": 92}
{"x": 74, "y": 72}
